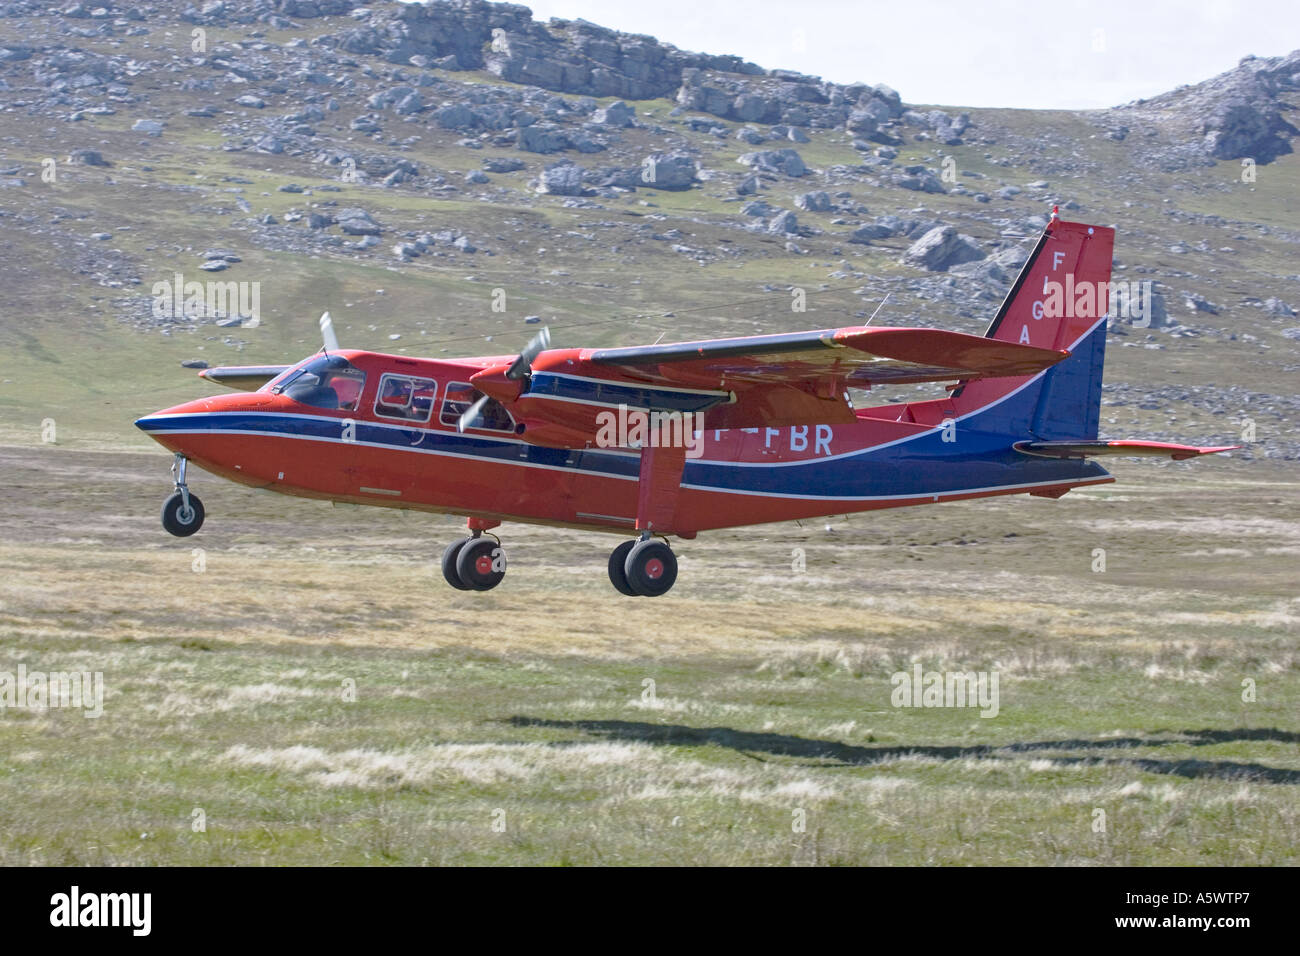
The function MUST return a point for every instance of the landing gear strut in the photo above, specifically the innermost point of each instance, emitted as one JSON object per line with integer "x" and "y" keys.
{"x": 475, "y": 563}
{"x": 644, "y": 567}
{"x": 182, "y": 512}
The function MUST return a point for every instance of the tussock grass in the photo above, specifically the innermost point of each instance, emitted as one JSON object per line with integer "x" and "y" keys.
{"x": 322, "y": 697}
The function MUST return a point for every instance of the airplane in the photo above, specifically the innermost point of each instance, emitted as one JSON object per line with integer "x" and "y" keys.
{"x": 680, "y": 438}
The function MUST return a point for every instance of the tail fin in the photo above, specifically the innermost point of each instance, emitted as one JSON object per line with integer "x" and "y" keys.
{"x": 1058, "y": 301}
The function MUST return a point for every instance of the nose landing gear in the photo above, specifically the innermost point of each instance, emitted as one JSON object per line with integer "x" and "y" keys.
{"x": 182, "y": 512}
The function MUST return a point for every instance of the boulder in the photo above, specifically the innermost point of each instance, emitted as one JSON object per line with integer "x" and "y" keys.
{"x": 562, "y": 179}
{"x": 87, "y": 157}
{"x": 673, "y": 171}
{"x": 819, "y": 201}
{"x": 786, "y": 161}
{"x": 941, "y": 248}
{"x": 783, "y": 223}
{"x": 617, "y": 114}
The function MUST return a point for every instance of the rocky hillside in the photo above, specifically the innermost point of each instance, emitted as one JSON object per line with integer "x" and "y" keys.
{"x": 442, "y": 175}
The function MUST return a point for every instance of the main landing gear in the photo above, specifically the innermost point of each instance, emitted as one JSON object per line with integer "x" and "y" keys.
{"x": 643, "y": 568}
{"x": 475, "y": 563}
{"x": 182, "y": 512}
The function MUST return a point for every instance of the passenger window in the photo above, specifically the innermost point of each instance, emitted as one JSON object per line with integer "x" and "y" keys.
{"x": 405, "y": 397}
{"x": 460, "y": 396}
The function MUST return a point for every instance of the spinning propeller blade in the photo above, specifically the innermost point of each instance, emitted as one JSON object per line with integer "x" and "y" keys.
{"x": 471, "y": 413}
{"x": 327, "y": 332}
{"x": 519, "y": 369}
{"x": 521, "y": 366}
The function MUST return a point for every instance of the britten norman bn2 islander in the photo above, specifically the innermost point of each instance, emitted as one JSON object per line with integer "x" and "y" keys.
{"x": 680, "y": 438}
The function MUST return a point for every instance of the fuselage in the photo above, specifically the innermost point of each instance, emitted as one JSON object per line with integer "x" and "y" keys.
{"x": 388, "y": 437}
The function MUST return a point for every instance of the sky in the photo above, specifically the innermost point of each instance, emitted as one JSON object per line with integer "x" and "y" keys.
{"x": 1046, "y": 54}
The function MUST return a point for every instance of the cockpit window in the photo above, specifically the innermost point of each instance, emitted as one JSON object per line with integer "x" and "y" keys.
{"x": 329, "y": 381}
{"x": 405, "y": 397}
{"x": 460, "y": 396}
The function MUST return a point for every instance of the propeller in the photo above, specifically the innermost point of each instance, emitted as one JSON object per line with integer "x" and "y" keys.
{"x": 523, "y": 365}
{"x": 327, "y": 332}
{"x": 518, "y": 370}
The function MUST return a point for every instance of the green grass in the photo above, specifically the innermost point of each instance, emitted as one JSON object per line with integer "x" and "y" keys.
{"x": 1119, "y": 691}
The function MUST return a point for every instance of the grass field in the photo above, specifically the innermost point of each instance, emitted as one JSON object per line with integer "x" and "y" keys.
{"x": 315, "y": 693}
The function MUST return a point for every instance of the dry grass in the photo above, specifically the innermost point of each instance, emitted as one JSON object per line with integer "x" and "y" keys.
{"x": 323, "y": 697}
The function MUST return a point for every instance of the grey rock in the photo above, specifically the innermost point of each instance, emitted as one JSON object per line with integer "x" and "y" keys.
{"x": 543, "y": 138}
{"x": 562, "y": 179}
{"x": 617, "y": 114}
{"x": 786, "y": 161}
{"x": 783, "y": 223}
{"x": 87, "y": 157}
{"x": 866, "y": 233}
{"x": 941, "y": 248}
{"x": 672, "y": 171}
{"x": 819, "y": 201}
{"x": 502, "y": 164}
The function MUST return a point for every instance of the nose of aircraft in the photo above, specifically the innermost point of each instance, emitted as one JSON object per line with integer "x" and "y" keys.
{"x": 168, "y": 426}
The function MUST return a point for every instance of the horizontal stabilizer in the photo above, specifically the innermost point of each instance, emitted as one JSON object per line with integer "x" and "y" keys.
{"x": 248, "y": 378}
{"x": 1127, "y": 448}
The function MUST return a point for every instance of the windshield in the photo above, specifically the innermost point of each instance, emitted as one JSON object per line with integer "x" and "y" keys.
{"x": 328, "y": 381}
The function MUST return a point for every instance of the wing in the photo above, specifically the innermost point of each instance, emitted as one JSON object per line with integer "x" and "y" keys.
{"x": 799, "y": 378}
{"x": 249, "y": 378}
{"x": 858, "y": 357}
{"x": 1127, "y": 447}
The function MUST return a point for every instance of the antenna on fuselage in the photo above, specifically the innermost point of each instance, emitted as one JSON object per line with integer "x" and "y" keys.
{"x": 327, "y": 333}
{"x": 879, "y": 307}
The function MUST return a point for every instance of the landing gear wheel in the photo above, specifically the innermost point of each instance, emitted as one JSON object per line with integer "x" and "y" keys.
{"x": 617, "y": 562}
{"x": 481, "y": 564}
{"x": 651, "y": 568}
{"x": 180, "y": 519}
{"x": 449, "y": 564}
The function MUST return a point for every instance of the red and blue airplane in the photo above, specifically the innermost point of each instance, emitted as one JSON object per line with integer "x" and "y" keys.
{"x": 679, "y": 438}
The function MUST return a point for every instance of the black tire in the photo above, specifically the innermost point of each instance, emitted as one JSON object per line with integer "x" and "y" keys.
{"x": 179, "y": 521}
{"x": 449, "y": 557}
{"x": 651, "y": 568}
{"x": 617, "y": 563}
{"x": 481, "y": 564}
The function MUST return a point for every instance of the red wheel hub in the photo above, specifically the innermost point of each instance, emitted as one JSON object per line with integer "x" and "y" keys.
{"x": 654, "y": 569}
{"x": 483, "y": 564}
